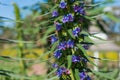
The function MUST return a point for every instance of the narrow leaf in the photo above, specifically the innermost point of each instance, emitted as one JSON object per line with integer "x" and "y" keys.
{"x": 69, "y": 59}
{"x": 77, "y": 74}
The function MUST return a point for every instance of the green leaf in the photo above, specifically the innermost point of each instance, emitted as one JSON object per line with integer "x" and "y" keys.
{"x": 103, "y": 75}
{"x": 70, "y": 33}
{"x": 5, "y": 73}
{"x": 87, "y": 39}
{"x": 85, "y": 54}
{"x": 17, "y": 76}
{"x": 5, "y": 58}
{"x": 16, "y": 11}
{"x": 14, "y": 41}
{"x": 58, "y": 18}
{"x": 98, "y": 38}
{"x": 53, "y": 71}
{"x": 112, "y": 17}
{"x": 53, "y": 78}
{"x": 77, "y": 74}
{"x": 54, "y": 7}
{"x": 1, "y": 17}
{"x": 69, "y": 59}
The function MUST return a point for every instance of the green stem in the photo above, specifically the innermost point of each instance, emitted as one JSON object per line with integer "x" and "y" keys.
{"x": 72, "y": 75}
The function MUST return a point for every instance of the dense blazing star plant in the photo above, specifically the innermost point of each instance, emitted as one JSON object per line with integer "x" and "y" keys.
{"x": 70, "y": 57}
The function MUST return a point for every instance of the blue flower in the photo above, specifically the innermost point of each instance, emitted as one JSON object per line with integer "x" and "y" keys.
{"x": 62, "y": 70}
{"x": 53, "y": 39}
{"x": 76, "y": 31}
{"x": 75, "y": 58}
{"x": 58, "y": 26}
{"x": 62, "y": 45}
{"x": 70, "y": 44}
{"x": 79, "y": 9}
{"x": 84, "y": 76}
{"x": 55, "y": 65}
{"x": 63, "y": 4}
{"x": 55, "y": 13}
{"x": 70, "y": 17}
{"x": 57, "y": 54}
{"x": 65, "y": 19}
{"x": 76, "y": 8}
{"x": 88, "y": 78}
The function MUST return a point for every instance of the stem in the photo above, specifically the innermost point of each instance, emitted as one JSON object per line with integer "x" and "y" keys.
{"x": 21, "y": 55}
{"x": 72, "y": 75}
{"x": 20, "y": 34}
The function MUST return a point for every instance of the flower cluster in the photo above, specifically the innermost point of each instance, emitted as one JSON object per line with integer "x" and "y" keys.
{"x": 76, "y": 31}
{"x": 79, "y": 9}
{"x": 67, "y": 45}
{"x": 57, "y": 54}
{"x": 63, "y": 46}
{"x": 67, "y": 18}
{"x": 84, "y": 76}
{"x": 61, "y": 71}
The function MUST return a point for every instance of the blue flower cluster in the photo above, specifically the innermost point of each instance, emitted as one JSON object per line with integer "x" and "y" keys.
{"x": 61, "y": 71}
{"x": 67, "y": 44}
{"x": 77, "y": 59}
{"x": 67, "y": 18}
{"x": 57, "y": 54}
{"x": 79, "y": 9}
{"x": 84, "y": 76}
{"x": 63, "y": 46}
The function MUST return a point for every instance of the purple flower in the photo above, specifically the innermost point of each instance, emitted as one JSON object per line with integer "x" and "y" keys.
{"x": 58, "y": 26}
{"x": 76, "y": 8}
{"x": 70, "y": 17}
{"x": 63, "y": 4}
{"x": 53, "y": 39}
{"x": 55, "y": 13}
{"x": 76, "y": 31}
{"x": 57, "y": 54}
{"x": 79, "y": 9}
{"x": 55, "y": 65}
{"x": 65, "y": 19}
{"x": 70, "y": 44}
{"x": 84, "y": 76}
{"x": 75, "y": 58}
{"x": 62, "y": 45}
{"x": 62, "y": 70}
{"x": 88, "y": 78}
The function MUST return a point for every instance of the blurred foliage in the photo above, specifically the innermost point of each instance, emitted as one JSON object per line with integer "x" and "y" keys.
{"x": 33, "y": 33}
